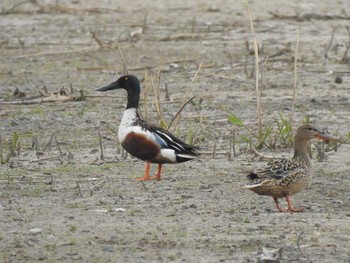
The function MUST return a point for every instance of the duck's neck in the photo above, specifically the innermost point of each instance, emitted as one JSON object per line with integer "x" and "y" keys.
{"x": 131, "y": 113}
{"x": 300, "y": 152}
{"x": 133, "y": 97}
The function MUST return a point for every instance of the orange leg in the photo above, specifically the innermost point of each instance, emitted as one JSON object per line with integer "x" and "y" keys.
{"x": 157, "y": 177}
{"x": 278, "y": 205}
{"x": 147, "y": 177}
{"x": 290, "y": 206}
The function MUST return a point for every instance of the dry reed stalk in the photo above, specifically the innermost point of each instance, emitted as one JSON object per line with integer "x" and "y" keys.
{"x": 102, "y": 157}
{"x": 256, "y": 53}
{"x": 157, "y": 94}
{"x": 262, "y": 156}
{"x": 214, "y": 151}
{"x": 1, "y": 158}
{"x": 179, "y": 111}
{"x": 97, "y": 186}
{"x": 49, "y": 143}
{"x": 125, "y": 70}
{"x": 50, "y": 158}
{"x": 79, "y": 189}
{"x": 229, "y": 153}
{"x": 145, "y": 97}
{"x": 295, "y": 82}
{"x": 345, "y": 58}
{"x": 328, "y": 46}
{"x": 12, "y": 8}
{"x": 58, "y": 145}
{"x": 157, "y": 98}
{"x": 97, "y": 40}
{"x": 185, "y": 100}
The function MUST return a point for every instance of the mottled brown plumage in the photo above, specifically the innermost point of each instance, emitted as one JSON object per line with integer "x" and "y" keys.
{"x": 282, "y": 178}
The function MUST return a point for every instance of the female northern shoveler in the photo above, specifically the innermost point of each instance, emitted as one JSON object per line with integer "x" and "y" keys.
{"x": 282, "y": 177}
{"x": 144, "y": 140}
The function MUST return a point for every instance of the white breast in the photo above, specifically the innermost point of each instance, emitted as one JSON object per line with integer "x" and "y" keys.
{"x": 127, "y": 125}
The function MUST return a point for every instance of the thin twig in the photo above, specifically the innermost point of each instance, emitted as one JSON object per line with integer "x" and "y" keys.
{"x": 156, "y": 95}
{"x": 79, "y": 189}
{"x": 125, "y": 70}
{"x": 49, "y": 143}
{"x": 47, "y": 159}
{"x": 97, "y": 186}
{"x": 337, "y": 145}
{"x": 51, "y": 181}
{"x": 143, "y": 185}
{"x": 214, "y": 151}
{"x": 18, "y": 148}
{"x": 211, "y": 152}
{"x": 101, "y": 147}
{"x": 145, "y": 95}
{"x": 124, "y": 154}
{"x": 144, "y": 24}
{"x": 256, "y": 52}
{"x": 329, "y": 46}
{"x": 229, "y": 158}
{"x": 298, "y": 243}
{"x": 295, "y": 83}
{"x": 167, "y": 96}
{"x": 1, "y": 157}
{"x": 345, "y": 56}
{"x": 98, "y": 41}
{"x": 175, "y": 120}
{"x": 180, "y": 110}
{"x": 11, "y": 146}
{"x": 234, "y": 142}
{"x": 58, "y": 145}
{"x": 12, "y": 8}
{"x": 262, "y": 156}
{"x": 35, "y": 144}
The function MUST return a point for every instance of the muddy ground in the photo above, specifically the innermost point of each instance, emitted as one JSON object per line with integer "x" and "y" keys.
{"x": 60, "y": 202}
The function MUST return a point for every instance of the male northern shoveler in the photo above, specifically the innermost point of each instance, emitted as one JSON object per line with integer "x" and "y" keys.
{"x": 283, "y": 177}
{"x": 143, "y": 140}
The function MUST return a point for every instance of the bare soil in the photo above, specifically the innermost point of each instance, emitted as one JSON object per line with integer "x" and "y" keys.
{"x": 61, "y": 202}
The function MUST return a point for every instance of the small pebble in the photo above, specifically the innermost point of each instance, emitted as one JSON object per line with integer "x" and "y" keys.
{"x": 338, "y": 202}
{"x": 193, "y": 206}
{"x": 338, "y": 80}
{"x": 108, "y": 248}
{"x": 35, "y": 231}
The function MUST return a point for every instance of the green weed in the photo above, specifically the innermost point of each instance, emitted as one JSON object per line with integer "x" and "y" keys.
{"x": 50, "y": 247}
{"x": 73, "y": 228}
{"x": 10, "y": 146}
{"x": 256, "y": 139}
{"x": 270, "y": 137}
{"x": 73, "y": 205}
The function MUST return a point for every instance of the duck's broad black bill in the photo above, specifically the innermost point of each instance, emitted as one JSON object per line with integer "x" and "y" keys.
{"x": 113, "y": 85}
